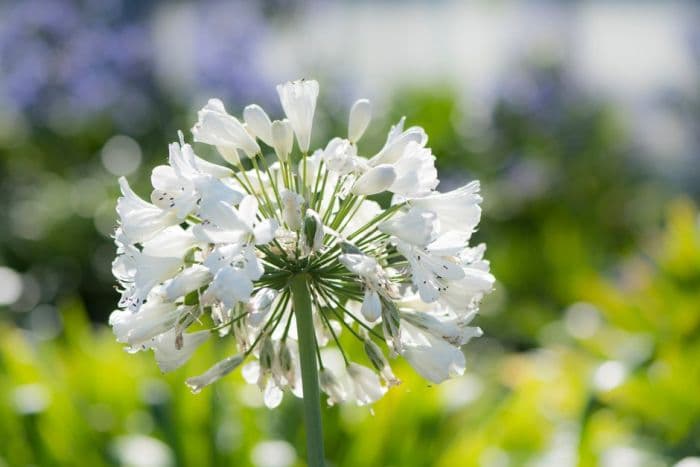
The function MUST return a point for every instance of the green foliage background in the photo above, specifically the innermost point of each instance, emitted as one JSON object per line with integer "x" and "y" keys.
{"x": 591, "y": 351}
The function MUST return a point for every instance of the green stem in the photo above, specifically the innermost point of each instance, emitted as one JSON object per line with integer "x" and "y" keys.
{"x": 301, "y": 301}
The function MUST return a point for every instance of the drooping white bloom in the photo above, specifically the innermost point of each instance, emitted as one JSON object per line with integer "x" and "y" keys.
{"x": 367, "y": 387}
{"x": 433, "y": 358}
{"x": 337, "y": 394}
{"x": 299, "y": 103}
{"x": 172, "y": 350}
{"x": 137, "y": 328}
{"x": 215, "y": 373}
{"x": 220, "y": 245}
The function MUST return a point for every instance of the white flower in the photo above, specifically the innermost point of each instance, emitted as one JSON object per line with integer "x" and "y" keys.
{"x": 137, "y": 328}
{"x": 299, "y": 103}
{"x": 224, "y": 223}
{"x": 333, "y": 387}
{"x": 368, "y": 388}
{"x": 159, "y": 258}
{"x": 457, "y": 210}
{"x": 340, "y": 156}
{"x": 216, "y": 127}
{"x": 230, "y": 286}
{"x": 416, "y": 227}
{"x": 138, "y": 219}
{"x": 173, "y": 351}
{"x": 415, "y": 172}
{"x": 216, "y": 250}
{"x": 433, "y": 358}
{"x": 430, "y": 272}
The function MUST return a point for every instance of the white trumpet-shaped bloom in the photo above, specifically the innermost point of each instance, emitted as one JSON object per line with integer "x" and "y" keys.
{"x": 299, "y": 103}
{"x": 212, "y": 255}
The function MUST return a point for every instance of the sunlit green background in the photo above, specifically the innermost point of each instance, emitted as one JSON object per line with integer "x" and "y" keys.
{"x": 580, "y": 119}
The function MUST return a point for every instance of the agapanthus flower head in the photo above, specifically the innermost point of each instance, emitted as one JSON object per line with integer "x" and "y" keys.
{"x": 213, "y": 253}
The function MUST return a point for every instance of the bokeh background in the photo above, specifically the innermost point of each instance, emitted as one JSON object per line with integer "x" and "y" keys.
{"x": 581, "y": 119}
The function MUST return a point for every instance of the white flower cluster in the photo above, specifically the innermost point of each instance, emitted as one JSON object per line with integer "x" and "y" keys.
{"x": 214, "y": 251}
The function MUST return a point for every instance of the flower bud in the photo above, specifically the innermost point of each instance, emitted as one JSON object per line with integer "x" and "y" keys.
{"x": 349, "y": 248}
{"x": 282, "y": 139}
{"x": 360, "y": 115}
{"x": 258, "y": 123}
{"x": 313, "y": 231}
{"x": 371, "y": 306}
{"x": 229, "y": 154}
{"x": 214, "y": 373}
{"x": 286, "y": 363}
{"x": 291, "y": 209}
{"x": 375, "y": 180}
{"x": 391, "y": 325}
{"x": 267, "y": 354}
{"x": 376, "y": 356}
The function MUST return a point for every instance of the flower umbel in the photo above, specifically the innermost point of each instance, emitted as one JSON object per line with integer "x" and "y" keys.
{"x": 216, "y": 248}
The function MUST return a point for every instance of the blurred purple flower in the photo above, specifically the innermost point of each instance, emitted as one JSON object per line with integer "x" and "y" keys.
{"x": 88, "y": 58}
{"x": 67, "y": 54}
{"x": 225, "y": 56}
